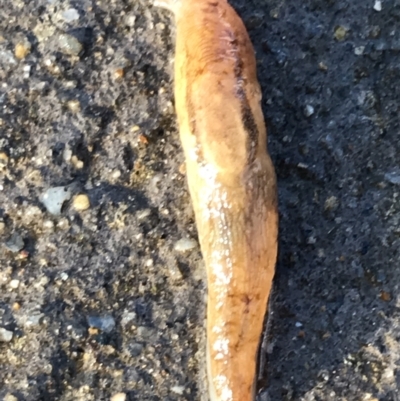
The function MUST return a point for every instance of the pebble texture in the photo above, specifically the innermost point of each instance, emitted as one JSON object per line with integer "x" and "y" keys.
{"x": 104, "y": 303}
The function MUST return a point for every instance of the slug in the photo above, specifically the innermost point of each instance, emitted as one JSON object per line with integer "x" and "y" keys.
{"x": 232, "y": 185}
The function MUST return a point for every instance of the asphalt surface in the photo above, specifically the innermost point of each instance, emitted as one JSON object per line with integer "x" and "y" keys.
{"x": 100, "y": 299}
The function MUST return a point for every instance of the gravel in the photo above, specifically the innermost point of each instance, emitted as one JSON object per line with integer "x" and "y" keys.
{"x": 104, "y": 323}
{"x": 185, "y": 245}
{"x": 86, "y": 103}
{"x": 54, "y": 198}
{"x": 70, "y": 15}
{"x": 81, "y": 202}
{"x": 15, "y": 243}
{"x": 5, "y": 335}
{"x": 68, "y": 44}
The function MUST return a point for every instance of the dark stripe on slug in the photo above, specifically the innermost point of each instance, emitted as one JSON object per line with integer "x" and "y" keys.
{"x": 249, "y": 122}
{"x": 191, "y": 114}
{"x": 189, "y": 104}
{"x": 250, "y": 127}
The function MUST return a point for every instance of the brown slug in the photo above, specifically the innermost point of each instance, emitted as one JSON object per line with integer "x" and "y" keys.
{"x": 231, "y": 182}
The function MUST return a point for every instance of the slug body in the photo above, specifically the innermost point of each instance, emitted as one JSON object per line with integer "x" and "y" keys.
{"x": 231, "y": 182}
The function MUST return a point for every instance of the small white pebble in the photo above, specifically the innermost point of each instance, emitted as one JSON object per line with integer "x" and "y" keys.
{"x": 48, "y": 224}
{"x": 118, "y": 397}
{"x": 7, "y": 57}
{"x": 143, "y": 214}
{"x": 149, "y": 263}
{"x": 67, "y": 154}
{"x": 70, "y": 84}
{"x": 54, "y": 198}
{"x": 359, "y": 51}
{"x": 27, "y": 71}
{"x": 298, "y": 324}
{"x": 185, "y": 245}
{"x": 14, "y": 284}
{"x": 378, "y": 5}
{"x": 44, "y": 281}
{"x": 74, "y": 106}
{"x": 5, "y": 335}
{"x": 127, "y": 317}
{"x": 309, "y": 110}
{"x": 302, "y": 165}
{"x": 10, "y": 397}
{"x": 311, "y": 240}
{"x": 388, "y": 373}
{"x": 70, "y": 15}
{"x": 178, "y": 390}
{"x": 33, "y": 211}
{"x": 331, "y": 203}
{"x": 116, "y": 174}
{"x": 63, "y": 224}
{"x": 130, "y": 20}
{"x": 64, "y": 276}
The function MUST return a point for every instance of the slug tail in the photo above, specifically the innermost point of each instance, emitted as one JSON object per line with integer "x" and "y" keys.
{"x": 237, "y": 224}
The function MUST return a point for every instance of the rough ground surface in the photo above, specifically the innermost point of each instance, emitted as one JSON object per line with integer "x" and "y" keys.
{"x": 96, "y": 113}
